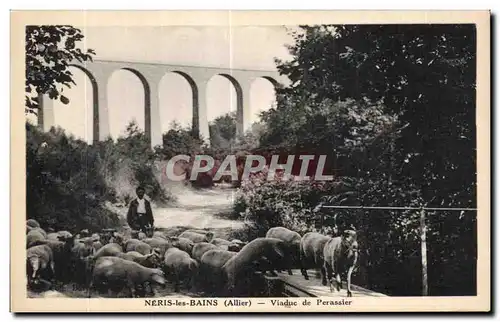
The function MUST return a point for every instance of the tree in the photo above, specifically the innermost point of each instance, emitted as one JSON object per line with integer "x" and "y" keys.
{"x": 49, "y": 52}
{"x": 423, "y": 73}
{"x": 223, "y": 131}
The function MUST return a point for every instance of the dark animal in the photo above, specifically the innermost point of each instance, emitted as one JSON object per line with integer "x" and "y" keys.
{"x": 240, "y": 268}
{"x": 292, "y": 239}
{"x": 116, "y": 271}
{"x": 311, "y": 253}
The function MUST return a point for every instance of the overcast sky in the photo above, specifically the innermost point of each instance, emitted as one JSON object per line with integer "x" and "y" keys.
{"x": 238, "y": 47}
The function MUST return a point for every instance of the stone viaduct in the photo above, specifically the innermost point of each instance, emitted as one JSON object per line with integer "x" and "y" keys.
{"x": 150, "y": 75}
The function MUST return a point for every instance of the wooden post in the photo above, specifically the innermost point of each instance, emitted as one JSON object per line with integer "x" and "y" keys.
{"x": 423, "y": 244}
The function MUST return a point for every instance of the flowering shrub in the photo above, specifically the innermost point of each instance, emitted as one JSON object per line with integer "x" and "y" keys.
{"x": 279, "y": 202}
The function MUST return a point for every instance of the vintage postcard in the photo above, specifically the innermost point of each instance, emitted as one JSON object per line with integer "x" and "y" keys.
{"x": 250, "y": 161}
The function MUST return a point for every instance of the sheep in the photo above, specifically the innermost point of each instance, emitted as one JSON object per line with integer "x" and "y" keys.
{"x": 241, "y": 266}
{"x": 233, "y": 246}
{"x": 197, "y": 237}
{"x": 65, "y": 234}
{"x": 53, "y": 236}
{"x": 152, "y": 260}
{"x": 159, "y": 234}
{"x": 162, "y": 244}
{"x": 220, "y": 241}
{"x": 341, "y": 257}
{"x": 38, "y": 229}
{"x": 32, "y": 223}
{"x": 117, "y": 271}
{"x": 201, "y": 248}
{"x": 95, "y": 239}
{"x": 34, "y": 236}
{"x": 112, "y": 249}
{"x": 84, "y": 233}
{"x": 97, "y": 245}
{"x": 83, "y": 248}
{"x": 136, "y": 234}
{"x": 211, "y": 267}
{"x": 180, "y": 266}
{"x": 311, "y": 253}
{"x": 61, "y": 250}
{"x": 290, "y": 237}
{"x": 39, "y": 259}
{"x": 138, "y": 246}
{"x": 238, "y": 242}
{"x": 184, "y": 244}
{"x": 81, "y": 258}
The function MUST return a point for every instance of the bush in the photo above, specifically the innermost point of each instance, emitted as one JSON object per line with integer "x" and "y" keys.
{"x": 70, "y": 182}
{"x": 65, "y": 188}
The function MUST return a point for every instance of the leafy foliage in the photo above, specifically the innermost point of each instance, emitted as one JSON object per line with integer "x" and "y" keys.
{"x": 66, "y": 188}
{"x": 423, "y": 73}
{"x": 130, "y": 162}
{"x": 49, "y": 51}
{"x": 179, "y": 140}
{"x": 223, "y": 131}
{"x": 70, "y": 183}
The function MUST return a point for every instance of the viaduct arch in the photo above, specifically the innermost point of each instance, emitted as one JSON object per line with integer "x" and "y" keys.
{"x": 150, "y": 75}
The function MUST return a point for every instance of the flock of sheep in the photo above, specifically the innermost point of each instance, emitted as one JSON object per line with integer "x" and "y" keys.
{"x": 112, "y": 261}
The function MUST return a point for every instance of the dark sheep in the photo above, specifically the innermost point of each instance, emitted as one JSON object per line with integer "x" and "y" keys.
{"x": 116, "y": 271}
{"x": 211, "y": 264}
{"x": 240, "y": 268}
{"x": 82, "y": 260}
{"x": 291, "y": 238}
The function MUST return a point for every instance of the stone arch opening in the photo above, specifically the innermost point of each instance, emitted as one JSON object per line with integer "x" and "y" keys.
{"x": 228, "y": 98}
{"x": 80, "y": 116}
{"x": 178, "y": 96}
{"x": 262, "y": 97}
{"x": 129, "y": 99}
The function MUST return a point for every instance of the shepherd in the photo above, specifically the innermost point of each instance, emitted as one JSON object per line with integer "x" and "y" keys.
{"x": 140, "y": 215}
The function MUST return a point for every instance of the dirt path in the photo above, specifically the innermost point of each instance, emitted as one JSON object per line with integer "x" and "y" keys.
{"x": 198, "y": 209}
